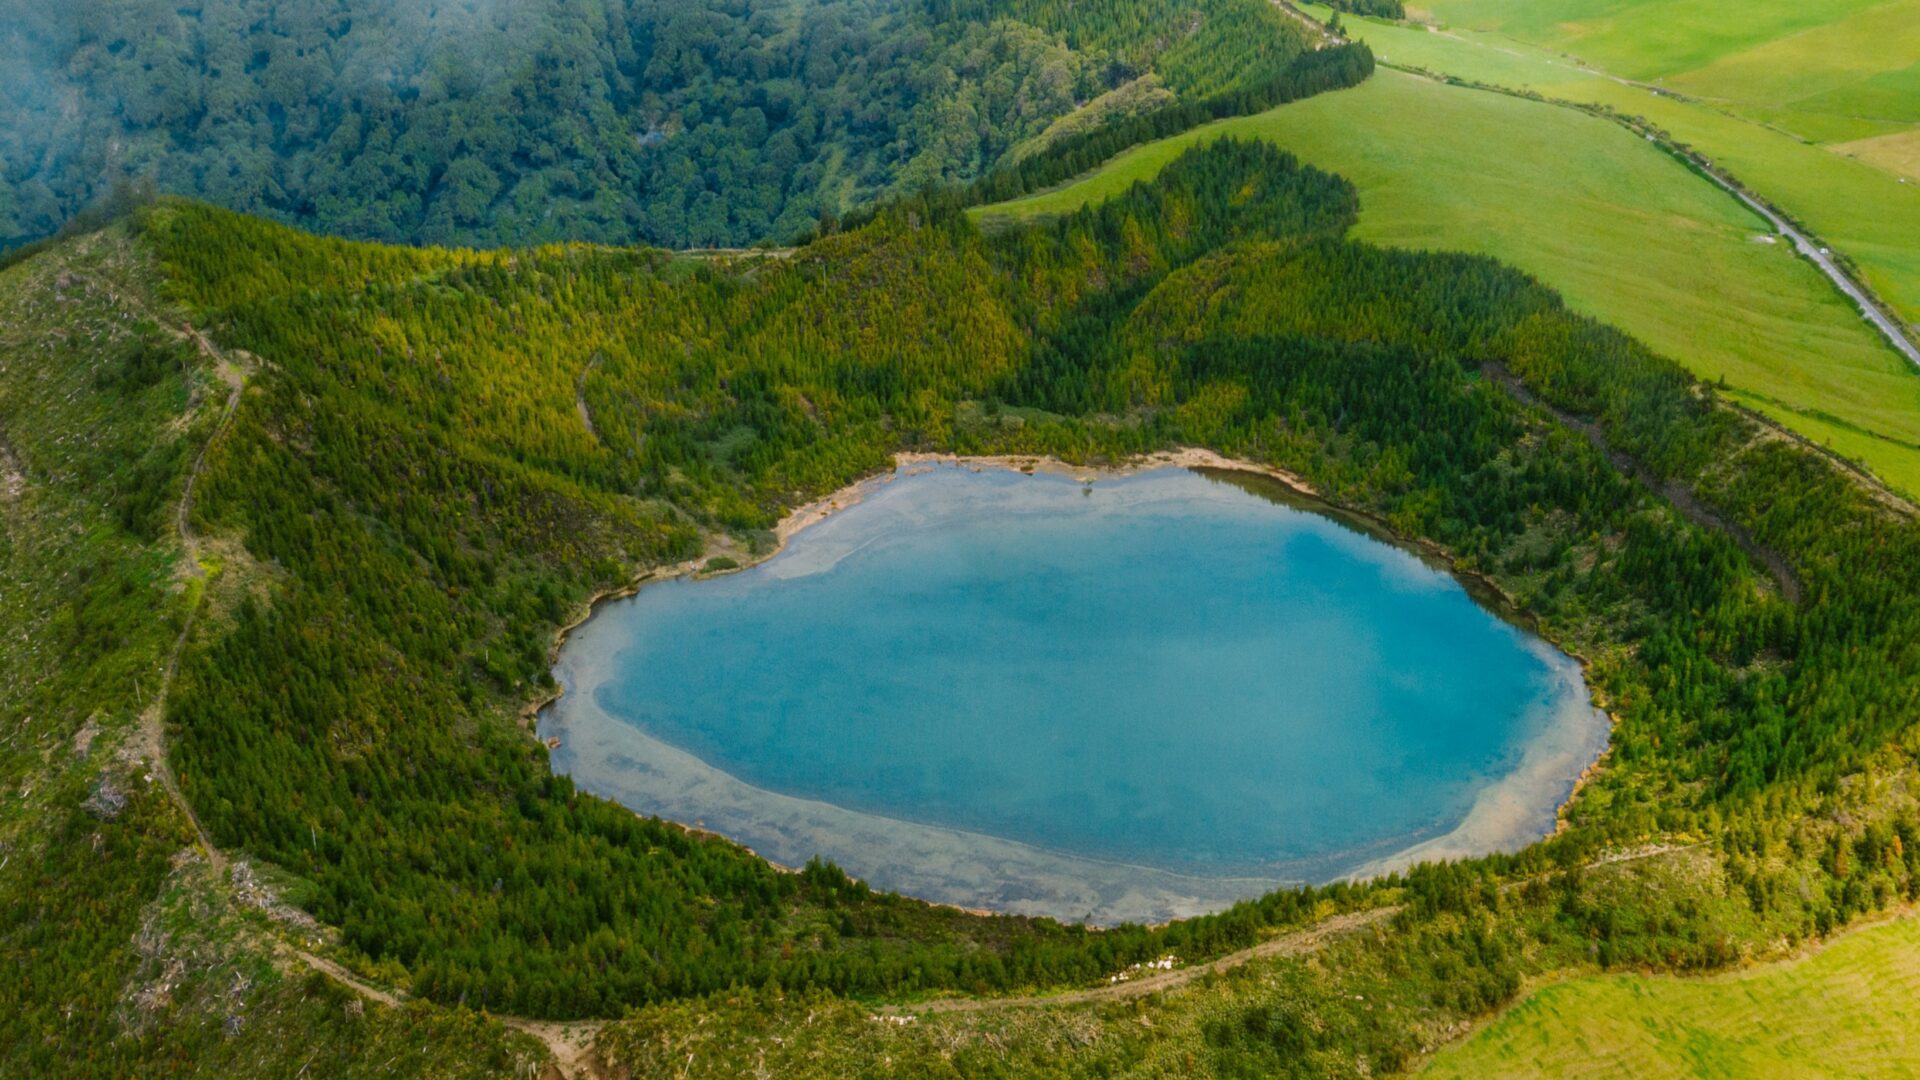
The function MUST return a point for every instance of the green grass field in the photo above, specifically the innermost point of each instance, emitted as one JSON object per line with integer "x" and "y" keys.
{"x": 1850, "y": 1009}
{"x": 1624, "y": 231}
{"x": 1836, "y": 70}
{"x": 1817, "y": 107}
{"x": 1898, "y": 154}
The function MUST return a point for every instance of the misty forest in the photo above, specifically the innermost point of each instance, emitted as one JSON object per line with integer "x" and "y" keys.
{"x": 682, "y": 124}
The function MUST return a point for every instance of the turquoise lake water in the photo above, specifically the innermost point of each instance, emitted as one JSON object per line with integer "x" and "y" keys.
{"x": 1140, "y": 697}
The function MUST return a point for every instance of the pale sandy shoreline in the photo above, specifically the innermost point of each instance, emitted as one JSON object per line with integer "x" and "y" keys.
{"x": 1505, "y": 816}
{"x": 906, "y": 463}
{"x": 1505, "y": 813}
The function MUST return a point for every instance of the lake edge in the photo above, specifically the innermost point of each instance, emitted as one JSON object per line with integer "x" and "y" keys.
{"x": 1121, "y": 896}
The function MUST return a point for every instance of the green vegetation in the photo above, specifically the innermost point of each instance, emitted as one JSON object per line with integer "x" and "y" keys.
{"x": 441, "y": 455}
{"x": 1623, "y": 231}
{"x": 1202, "y": 52}
{"x": 1850, "y": 193}
{"x": 123, "y": 957}
{"x": 436, "y": 503}
{"x": 439, "y": 506}
{"x": 1329, "y": 68}
{"x": 1898, "y": 153}
{"x": 683, "y": 124}
{"x": 1848, "y": 1010}
{"x": 1372, "y": 1002}
{"x": 1379, "y": 9}
{"x": 1824, "y": 73}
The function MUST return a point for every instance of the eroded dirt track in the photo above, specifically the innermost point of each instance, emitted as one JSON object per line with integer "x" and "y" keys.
{"x": 1679, "y": 495}
{"x": 1297, "y": 943}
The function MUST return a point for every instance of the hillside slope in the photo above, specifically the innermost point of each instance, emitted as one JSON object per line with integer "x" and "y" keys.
{"x": 1854, "y": 195}
{"x": 126, "y": 953}
{"x": 439, "y": 456}
{"x": 1625, "y": 232}
{"x": 675, "y": 123}
{"x": 1846, "y": 1010}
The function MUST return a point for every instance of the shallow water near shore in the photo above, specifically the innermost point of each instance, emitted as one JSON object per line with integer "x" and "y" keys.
{"x": 1133, "y": 699}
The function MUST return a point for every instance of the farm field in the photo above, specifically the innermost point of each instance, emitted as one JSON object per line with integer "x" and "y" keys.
{"x": 1898, "y": 154}
{"x": 1624, "y": 231}
{"x": 1855, "y": 183}
{"x": 1832, "y": 71}
{"x": 1850, "y": 1009}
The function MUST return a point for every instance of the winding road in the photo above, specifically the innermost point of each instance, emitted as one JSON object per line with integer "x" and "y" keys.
{"x": 1821, "y": 257}
{"x": 1891, "y": 328}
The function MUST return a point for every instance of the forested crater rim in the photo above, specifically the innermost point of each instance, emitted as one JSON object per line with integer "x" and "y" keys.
{"x": 1511, "y": 806}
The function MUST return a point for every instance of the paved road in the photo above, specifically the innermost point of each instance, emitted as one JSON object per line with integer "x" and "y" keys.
{"x": 1889, "y": 327}
{"x": 1880, "y": 319}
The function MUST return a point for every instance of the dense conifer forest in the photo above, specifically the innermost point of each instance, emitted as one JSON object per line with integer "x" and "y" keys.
{"x": 440, "y": 455}
{"x": 683, "y": 124}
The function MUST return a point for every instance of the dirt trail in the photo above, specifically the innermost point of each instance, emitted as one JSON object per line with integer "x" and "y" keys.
{"x": 234, "y": 376}
{"x": 569, "y": 1041}
{"x": 580, "y": 398}
{"x": 1297, "y": 943}
{"x": 153, "y": 746}
{"x": 1651, "y": 851}
{"x": 13, "y": 478}
{"x": 729, "y": 253}
{"x": 348, "y": 979}
{"x": 1680, "y": 495}
{"x": 152, "y": 734}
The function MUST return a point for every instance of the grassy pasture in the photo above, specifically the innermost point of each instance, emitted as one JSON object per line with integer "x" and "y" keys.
{"x": 1646, "y": 39}
{"x": 1624, "y": 231}
{"x": 1850, "y": 1009}
{"x": 1815, "y": 106}
{"x": 1812, "y": 66}
{"x": 1855, "y": 76}
{"x": 1898, "y": 154}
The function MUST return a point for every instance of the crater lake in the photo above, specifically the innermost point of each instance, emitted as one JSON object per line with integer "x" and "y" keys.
{"x": 1123, "y": 697}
